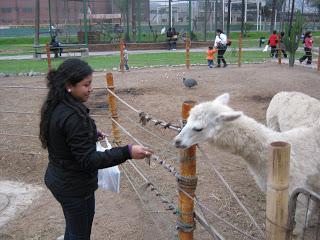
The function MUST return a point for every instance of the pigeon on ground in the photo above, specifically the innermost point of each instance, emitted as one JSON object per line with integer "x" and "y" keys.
{"x": 189, "y": 82}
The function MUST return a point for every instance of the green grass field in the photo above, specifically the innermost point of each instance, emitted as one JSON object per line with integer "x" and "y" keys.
{"x": 135, "y": 60}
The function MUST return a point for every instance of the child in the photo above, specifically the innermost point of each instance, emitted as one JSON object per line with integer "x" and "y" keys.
{"x": 308, "y": 43}
{"x": 210, "y": 56}
{"x": 273, "y": 40}
{"x": 126, "y": 57}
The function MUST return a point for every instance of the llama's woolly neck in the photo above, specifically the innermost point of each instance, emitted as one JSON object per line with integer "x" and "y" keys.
{"x": 250, "y": 140}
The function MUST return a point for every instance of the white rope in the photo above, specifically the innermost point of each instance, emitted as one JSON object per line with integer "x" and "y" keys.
{"x": 168, "y": 167}
{"x": 18, "y": 135}
{"x": 23, "y": 87}
{"x": 117, "y": 97}
{"x": 157, "y": 122}
{"x": 142, "y": 202}
{"x": 148, "y": 131}
{"x": 230, "y": 190}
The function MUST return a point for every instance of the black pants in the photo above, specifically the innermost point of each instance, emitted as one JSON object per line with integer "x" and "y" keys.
{"x": 220, "y": 56}
{"x": 273, "y": 50}
{"x": 308, "y": 55}
{"x": 78, "y": 213}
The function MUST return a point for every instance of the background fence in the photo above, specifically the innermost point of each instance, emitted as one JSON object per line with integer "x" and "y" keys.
{"x": 106, "y": 21}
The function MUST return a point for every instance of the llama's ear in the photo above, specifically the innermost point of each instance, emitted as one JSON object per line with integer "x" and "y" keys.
{"x": 230, "y": 116}
{"x": 224, "y": 98}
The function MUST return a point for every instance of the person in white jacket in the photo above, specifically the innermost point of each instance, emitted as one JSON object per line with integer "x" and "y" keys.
{"x": 220, "y": 43}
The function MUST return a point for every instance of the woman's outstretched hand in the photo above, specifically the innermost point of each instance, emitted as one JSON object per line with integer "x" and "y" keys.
{"x": 140, "y": 152}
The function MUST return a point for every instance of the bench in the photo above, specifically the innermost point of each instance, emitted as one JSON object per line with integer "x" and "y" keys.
{"x": 65, "y": 48}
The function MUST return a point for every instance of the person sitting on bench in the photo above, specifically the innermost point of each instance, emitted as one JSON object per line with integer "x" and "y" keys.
{"x": 55, "y": 46}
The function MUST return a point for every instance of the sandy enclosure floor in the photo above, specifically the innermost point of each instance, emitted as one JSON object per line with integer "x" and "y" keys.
{"x": 160, "y": 93}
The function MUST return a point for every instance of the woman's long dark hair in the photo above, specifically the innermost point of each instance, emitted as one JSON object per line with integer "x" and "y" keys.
{"x": 71, "y": 72}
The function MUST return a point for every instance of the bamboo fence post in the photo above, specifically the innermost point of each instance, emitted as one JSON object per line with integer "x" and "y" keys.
{"x": 122, "y": 56}
{"x": 187, "y": 181}
{"x": 240, "y": 50}
{"x": 113, "y": 108}
{"x": 277, "y": 191}
{"x": 188, "y": 53}
{"x": 279, "y": 49}
{"x": 319, "y": 59}
{"x": 48, "y": 56}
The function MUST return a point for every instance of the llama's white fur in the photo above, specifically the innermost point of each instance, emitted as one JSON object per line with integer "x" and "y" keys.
{"x": 288, "y": 110}
{"x": 237, "y": 133}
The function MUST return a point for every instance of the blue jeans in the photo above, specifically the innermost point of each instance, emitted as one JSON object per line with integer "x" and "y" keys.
{"x": 210, "y": 63}
{"x": 78, "y": 213}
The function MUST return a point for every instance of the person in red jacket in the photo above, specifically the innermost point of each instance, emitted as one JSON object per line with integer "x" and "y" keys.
{"x": 308, "y": 42}
{"x": 273, "y": 40}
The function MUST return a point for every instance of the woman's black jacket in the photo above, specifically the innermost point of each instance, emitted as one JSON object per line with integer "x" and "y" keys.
{"x": 73, "y": 159}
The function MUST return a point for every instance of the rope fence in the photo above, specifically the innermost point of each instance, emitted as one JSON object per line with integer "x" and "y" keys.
{"x": 175, "y": 172}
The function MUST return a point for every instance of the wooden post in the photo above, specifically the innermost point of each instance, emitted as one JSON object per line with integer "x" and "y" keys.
{"x": 279, "y": 49}
{"x": 113, "y": 108}
{"x": 187, "y": 181}
{"x": 240, "y": 50}
{"x": 48, "y": 56}
{"x": 188, "y": 53}
{"x": 277, "y": 191}
{"x": 122, "y": 56}
{"x": 319, "y": 59}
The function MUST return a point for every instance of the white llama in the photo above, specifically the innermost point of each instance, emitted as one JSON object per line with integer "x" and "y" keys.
{"x": 237, "y": 133}
{"x": 289, "y": 110}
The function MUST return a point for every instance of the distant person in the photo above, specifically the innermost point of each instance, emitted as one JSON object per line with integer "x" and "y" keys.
{"x": 169, "y": 36}
{"x": 308, "y": 43}
{"x": 282, "y": 46}
{"x": 220, "y": 43}
{"x": 172, "y": 38}
{"x": 210, "y": 56}
{"x": 272, "y": 42}
{"x": 126, "y": 57}
{"x": 55, "y": 46}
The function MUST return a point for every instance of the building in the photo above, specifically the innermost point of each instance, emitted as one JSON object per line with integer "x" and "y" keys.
{"x": 22, "y": 12}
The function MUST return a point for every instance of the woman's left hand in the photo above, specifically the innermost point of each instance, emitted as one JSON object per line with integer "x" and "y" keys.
{"x": 140, "y": 152}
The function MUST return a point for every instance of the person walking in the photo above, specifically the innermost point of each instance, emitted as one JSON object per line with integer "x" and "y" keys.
{"x": 210, "y": 56}
{"x": 126, "y": 57}
{"x": 282, "y": 46}
{"x": 273, "y": 40}
{"x": 308, "y": 43}
{"x": 220, "y": 43}
{"x": 69, "y": 134}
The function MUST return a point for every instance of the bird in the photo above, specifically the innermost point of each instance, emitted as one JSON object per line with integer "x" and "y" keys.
{"x": 189, "y": 82}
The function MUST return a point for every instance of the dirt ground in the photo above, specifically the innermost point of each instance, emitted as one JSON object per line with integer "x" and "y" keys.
{"x": 160, "y": 93}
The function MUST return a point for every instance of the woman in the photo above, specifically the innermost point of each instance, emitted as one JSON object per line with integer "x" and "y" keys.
{"x": 70, "y": 135}
{"x": 220, "y": 43}
{"x": 308, "y": 42}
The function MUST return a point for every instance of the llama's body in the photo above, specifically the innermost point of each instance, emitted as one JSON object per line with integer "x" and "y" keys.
{"x": 288, "y": 110}
{"x": 243, "y": 136}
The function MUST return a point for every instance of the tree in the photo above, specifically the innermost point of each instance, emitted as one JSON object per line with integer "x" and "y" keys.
{"x": 242, "y": 17}
{"x": 292, "y": 36}
{"x": 123, "y": 6}
{"x": 273, "y": 13}
{"x": 228, "y": 20}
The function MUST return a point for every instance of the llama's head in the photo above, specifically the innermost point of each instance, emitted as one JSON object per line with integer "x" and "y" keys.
{"x": 205, "y": 121}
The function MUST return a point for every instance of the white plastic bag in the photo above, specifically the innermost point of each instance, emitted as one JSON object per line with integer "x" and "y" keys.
{"x": 265, "y": 48}
{"x": 108, "y": 178}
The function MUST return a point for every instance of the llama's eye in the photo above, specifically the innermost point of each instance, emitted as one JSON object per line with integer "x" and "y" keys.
{"x": 197, "y": 129}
